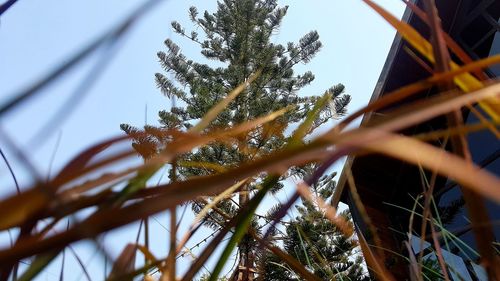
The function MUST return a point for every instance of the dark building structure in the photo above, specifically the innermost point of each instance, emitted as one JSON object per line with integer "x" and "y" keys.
{"x": 388, "y": 187}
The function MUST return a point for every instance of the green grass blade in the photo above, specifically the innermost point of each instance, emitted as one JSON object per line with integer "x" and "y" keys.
{"x": 38, "y": 264}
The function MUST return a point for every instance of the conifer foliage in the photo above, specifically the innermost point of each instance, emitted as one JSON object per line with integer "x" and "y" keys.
{"x": 318, "y": 244}
{"x": 236, "y": 42}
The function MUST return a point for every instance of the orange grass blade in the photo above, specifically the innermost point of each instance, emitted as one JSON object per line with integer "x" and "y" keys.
{"x": 454, "y": 47}
{"x": 373, "y": 261}
{"x": 19, "y": 208}
{"x": 412, "y": 89}
{"x": 125, "y": 261}
{"x": 435, "y": 159}
{"x": 466, "y": 81}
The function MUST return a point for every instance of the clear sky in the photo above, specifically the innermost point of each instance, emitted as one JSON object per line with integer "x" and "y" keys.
{"x": 36, "y": 36}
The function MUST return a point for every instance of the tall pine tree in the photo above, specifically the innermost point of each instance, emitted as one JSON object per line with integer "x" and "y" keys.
{"x": 238, "y": 37}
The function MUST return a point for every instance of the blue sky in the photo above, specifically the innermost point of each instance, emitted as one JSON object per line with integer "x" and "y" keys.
{"x": 36, "y": 36}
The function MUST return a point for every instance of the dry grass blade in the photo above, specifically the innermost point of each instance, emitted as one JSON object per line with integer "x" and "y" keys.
{"x": 125, "y": 261}
{"x": 364, "y": 213}
{"x": 415, "y": 272}
{"x": 147, "y": 253}
{"x": 432, "y": 158}
{"x": 454, "y": 47}
{"x": 429, "y": 108}
{"x": 466, "y": 81}
{"x": 412, "y": 89}
{"x": 79, "y": 162}
{"x": 78, "y": 191}
{"x": 441, "y": 134}
{"x": 373, "y": 261}
{"x": 189, "y": 140}
{"x": 491, "y": 125}
{"x": 439, "y": 254}
{"x": 306, "y": 126}
{"x": 476, "y": 207}
{"x": 19, "y": 208}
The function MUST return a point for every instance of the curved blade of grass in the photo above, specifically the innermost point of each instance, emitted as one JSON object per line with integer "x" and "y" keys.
{"x": 107, "y": 178}
{"x": 454, "y": 47}
{"x": 373, "y": 261}
{"x": 435, "y": 106}
{"x": 190, "y": 140}
{"x": 125, "y": 261}
{"x": 432, "y": 158}
{"x": 412, "y": 89}
{"x": 440, "y": 134}
{"x": 82, "y": 159}
{"x": 19, "y": 208}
